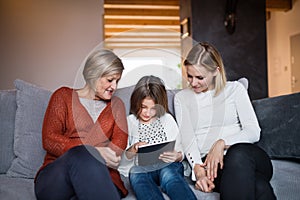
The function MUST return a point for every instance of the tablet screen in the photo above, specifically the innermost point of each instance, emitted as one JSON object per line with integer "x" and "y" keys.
{"x": 148, "y": 154}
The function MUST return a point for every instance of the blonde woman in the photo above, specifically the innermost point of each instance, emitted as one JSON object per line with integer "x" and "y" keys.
{"x": 218, "y": 126}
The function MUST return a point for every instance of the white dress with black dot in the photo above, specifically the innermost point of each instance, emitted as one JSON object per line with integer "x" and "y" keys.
{"x": 152, "y": 133}
{"x": 161, "y": 130}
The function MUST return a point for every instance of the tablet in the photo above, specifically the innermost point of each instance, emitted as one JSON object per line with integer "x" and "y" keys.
{"x": 148, "y": 154}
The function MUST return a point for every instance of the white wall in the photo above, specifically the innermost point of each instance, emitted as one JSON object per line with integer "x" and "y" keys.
{"x": 45, "y": 41}
{"x": 280, "y": 27}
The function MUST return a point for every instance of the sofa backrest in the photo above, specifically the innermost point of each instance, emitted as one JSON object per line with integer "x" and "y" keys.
{"x": 279, "y": 119}
{"x": 8, "y": 108}
{"x": 21, "y": 158}
{"x": 9, "y": 157}
{"x": 31, "y": 102}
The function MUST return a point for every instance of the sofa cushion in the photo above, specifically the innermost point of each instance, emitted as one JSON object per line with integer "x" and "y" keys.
{"x": 285, "y": 180}
{"x": 124, "y": 94}
{"x": 279, "y": 121}
{"x": 8, "y": 108}
{"x": 31, "y": 105}
{"x": 16, "y": 188}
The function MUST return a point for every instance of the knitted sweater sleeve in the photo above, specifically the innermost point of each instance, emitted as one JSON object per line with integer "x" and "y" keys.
{"x": 54, "y": 139}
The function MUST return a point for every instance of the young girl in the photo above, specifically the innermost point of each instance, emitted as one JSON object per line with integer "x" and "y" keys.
{"x": 151, "y": 123}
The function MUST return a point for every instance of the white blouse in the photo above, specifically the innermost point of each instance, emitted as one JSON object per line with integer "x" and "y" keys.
{"x": 171, "y": 132}
{"x": 203, "y": 119}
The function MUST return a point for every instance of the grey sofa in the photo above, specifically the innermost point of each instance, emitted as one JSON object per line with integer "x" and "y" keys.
{"x": 21, "y": 152}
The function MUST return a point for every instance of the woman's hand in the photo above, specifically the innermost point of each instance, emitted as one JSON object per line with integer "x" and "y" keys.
{"x": 203, "y": 183}
{"x": 170, "y": 156}
{"x": 131, "y": 151}
{"x": 214, "y": 158}
{"x": 110, "y": 157}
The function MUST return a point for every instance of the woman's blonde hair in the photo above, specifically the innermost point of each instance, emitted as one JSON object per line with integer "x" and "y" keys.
{"x": 153, "y": 87}
{"x": 207, "y": 56}
{"x": 101, "y": 63}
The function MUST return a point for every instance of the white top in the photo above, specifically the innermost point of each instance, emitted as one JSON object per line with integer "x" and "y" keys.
{"x": 93, "y": 107}
{"x": 170, "y": 128}
{"x": 203, "y": 119}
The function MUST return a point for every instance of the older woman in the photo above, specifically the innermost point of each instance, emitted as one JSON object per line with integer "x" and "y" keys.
{"x": 84, "y": 134}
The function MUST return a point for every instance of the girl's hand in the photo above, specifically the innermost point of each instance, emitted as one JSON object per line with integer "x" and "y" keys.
{"x": 203, "y": 183}
{"x": 214, "y": 158}
{"x": 110, "y": 157}
{"x": 170, "y": 156}
{"x": 131, "y": 151}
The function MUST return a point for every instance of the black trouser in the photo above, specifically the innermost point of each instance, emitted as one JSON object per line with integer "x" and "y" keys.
{"x": 80, "y": 173}
{"x": 246, "y": 174}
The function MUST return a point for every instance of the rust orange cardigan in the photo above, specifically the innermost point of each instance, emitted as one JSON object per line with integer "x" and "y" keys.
{"x": 67, "y": 124}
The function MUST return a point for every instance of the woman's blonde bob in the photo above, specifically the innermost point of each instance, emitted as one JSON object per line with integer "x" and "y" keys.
{"x": 205, "y": 55}
{"x": 101, "y": 63}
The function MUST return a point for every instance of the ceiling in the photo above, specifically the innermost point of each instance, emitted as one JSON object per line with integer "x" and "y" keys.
{"x": 152, "y": 23}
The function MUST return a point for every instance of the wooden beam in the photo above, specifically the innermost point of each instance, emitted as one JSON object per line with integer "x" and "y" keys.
{"x": 127, "y": 6}
{"x": 141, "y": 32}
{"x": 278, "y": 5}
{"x": 131, "y": 34}
{"x": 145, "y": 42}
{"x": 142, "y": 40}
{"x": 141, "y": 22}
{"x": 135, "y": 28}
{"x": 140, "y": 12}
{"x": 137, "y": 17}
{"x": 143, "y": 2}
{"x": 152, "y": 31}
{"x": 141, "y": 45}
{"x": 137, "y": 35}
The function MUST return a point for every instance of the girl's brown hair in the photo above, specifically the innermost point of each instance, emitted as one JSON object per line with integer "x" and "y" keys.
{"x": 151, "y": 87}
